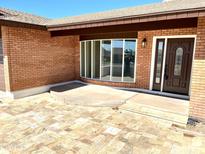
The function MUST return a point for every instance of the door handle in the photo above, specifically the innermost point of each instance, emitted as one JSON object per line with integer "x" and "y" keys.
{"x": 166, "y": 76}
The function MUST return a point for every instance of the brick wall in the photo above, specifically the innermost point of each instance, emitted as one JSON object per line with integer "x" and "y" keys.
{"x": 144, "y": 56}
{"x": 2, "y": 84}
{"x": 197, "y": 102}
{"x": 77, "y": 61}
{"x": 36, "y": 59}
{"x": 108, "y": 83}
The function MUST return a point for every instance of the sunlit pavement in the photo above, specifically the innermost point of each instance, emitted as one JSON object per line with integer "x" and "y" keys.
{"x": 40, "y": 124}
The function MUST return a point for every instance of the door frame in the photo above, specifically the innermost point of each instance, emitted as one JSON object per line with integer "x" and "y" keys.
{"x": 164, "y": 58}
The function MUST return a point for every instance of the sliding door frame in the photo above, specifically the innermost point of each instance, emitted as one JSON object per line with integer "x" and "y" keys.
{"x": 100, "y": 73}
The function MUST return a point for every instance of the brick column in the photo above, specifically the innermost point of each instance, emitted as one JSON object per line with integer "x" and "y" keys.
{"x": 197, "y": 101}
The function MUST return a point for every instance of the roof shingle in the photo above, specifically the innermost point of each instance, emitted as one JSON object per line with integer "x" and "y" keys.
{"x": 17, "y": 16}
{"x": 160, "y": 8}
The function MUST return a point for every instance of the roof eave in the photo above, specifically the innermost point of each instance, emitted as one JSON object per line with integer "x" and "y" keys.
{"x": 7, "y": 22}
{"x": 127, "y": 17}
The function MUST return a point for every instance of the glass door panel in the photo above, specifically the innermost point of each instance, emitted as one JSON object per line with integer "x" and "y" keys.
{"x": 105, "y": 60}
{"x": 88, "y": 59}
{"x": 178, "y": 61}
{"x": 117, "y": 55}
{"x": 129, "y": 60}
{"x": 82, "y": 62}
{"x": 158, "y": 64}
{"x": 96, "y": 59}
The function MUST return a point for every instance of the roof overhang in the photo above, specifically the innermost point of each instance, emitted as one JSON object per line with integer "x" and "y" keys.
{"x": 4, "y": 22}
{"x": 126, "y": 28}
{"x": 160, "y": 16}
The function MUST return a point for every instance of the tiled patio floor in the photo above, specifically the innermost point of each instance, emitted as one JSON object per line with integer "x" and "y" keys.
{"x": 40, "y": 124}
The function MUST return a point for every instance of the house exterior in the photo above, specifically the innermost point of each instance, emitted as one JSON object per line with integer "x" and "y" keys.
{"x": 156, "y": 48}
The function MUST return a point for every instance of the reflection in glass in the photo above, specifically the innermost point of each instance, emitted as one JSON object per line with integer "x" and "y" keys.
{"x": 178, "y": 62}
{"x": 159, "y": 61}
{"x": 129, "y": 60}
{"x": 88, "y": 59}
{"x": 82, "y": 59}
{"x": 96, "y": 59}
{"x": 106, "y": 60}
{"x": 117, "y": 55}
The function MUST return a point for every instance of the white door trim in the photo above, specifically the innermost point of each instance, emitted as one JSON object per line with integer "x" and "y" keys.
{"x": 164, "y": 59}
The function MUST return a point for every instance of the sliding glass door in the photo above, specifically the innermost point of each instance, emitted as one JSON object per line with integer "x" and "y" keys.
{"x": 117, "y": 56}
{"x": 96, "y": 59}
{"x": 129, "y": 60}
{"x": 105, "y": 60}
{"x": 88, "y": 59}
{"x": 109, "y": 60}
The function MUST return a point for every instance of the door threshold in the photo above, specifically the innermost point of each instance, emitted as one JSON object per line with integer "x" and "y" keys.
{"x": 178, "y": 96}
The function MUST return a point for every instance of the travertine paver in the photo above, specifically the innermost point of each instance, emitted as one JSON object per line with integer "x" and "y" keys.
{"x": 40, "y": 124}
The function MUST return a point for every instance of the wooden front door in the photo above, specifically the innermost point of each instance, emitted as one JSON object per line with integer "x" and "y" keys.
{"x": 178, "y": 65}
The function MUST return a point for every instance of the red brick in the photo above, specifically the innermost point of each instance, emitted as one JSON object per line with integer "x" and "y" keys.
{"x": 36, "y": 59}
{"x": 197, "y": 101}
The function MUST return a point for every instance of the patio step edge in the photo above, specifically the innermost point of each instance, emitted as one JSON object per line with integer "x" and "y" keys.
{"x": 157, "y": 113}
{"x": 157, "y": 108}
{"x": 183, "y": 124}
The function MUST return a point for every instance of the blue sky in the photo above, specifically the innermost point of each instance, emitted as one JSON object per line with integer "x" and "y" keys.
{"x": 61, "y": 8}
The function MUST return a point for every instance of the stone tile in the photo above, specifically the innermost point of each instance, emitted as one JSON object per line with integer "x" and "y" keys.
{"x": 40, "y": 124}
{"x": 44, "y": 150}
{"x": 112, "y": 130}
{"x": 4, "y": 151}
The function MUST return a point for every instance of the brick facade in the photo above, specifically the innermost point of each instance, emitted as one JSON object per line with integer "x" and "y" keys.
{"x": 109, "y": 83}
{"x": 197, "y": 101}
{"x": 36, "y": 59}
{"x": 145, "y": 54}
{"x": 31, "y": 63}
{"x": 2, "y": 84}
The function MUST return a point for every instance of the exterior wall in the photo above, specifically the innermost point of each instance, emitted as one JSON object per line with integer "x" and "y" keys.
{"x": 109, "y": 83}
{"x": 77, "y": 60}
{"x": 2, "y": 83}
{"x": 144, "y": 56}
{"x": 197, "y": 102}
{"x": 36, "y": 59}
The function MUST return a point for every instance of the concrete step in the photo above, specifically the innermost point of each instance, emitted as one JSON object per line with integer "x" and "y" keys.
{"x": 89, "y": 102}
{"x": 170, "y": 109}
{"x": 91, "y": 95}
{"x": 157, "y": 111}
